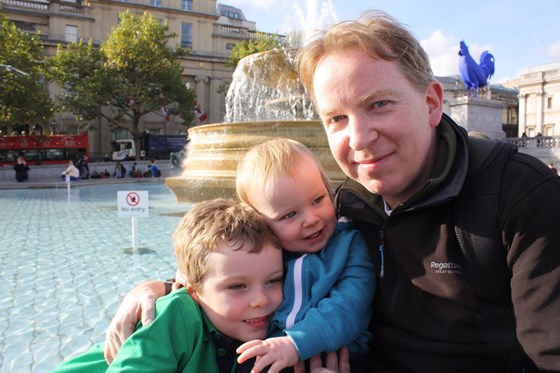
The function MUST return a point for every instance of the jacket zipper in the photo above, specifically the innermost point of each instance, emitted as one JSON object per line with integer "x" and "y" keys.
{"x": 298, "y": 292}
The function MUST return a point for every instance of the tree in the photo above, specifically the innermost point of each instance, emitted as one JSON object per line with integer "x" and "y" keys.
{"x": 133, "y": 73}
{"x": 22, "y": 80}
{"x": 262, "y": 43}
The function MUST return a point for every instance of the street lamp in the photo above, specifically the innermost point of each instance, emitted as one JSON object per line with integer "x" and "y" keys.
{"x": 12, "y": 69}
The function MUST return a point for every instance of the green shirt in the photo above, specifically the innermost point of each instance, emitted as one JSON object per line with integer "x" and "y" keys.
{"x": 180, "y": 339}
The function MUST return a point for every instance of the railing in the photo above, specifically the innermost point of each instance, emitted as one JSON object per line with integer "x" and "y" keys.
{"x": 231, "y": 31}
{"x": 65, "y": 7}
{"x": 25, "y": 4}
{"x": 70, "y": 8}
{"x": 535, "y": 142}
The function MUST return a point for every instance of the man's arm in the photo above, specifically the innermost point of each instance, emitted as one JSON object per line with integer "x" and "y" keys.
{"x": 530, "y": 222}
{"x": 138, "y": 304}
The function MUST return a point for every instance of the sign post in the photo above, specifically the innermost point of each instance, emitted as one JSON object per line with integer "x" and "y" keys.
{"x": 134, "y": 204}
{"x": 67, "y": 179}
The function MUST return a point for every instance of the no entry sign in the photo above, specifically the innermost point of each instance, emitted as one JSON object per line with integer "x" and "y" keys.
{"x": 133, "y": 203}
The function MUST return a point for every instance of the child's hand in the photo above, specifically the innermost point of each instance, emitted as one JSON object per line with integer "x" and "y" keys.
{"x": 279, "y": 353}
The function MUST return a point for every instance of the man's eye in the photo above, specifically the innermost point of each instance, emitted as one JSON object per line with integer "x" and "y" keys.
{"x": 337, "y": 118}
{"x": 380, "y": 104}
{"x": 236, "y": 286}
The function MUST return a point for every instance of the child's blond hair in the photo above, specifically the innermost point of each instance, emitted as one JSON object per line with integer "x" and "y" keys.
{"x": 214, "y": 222}
{"x": 264, "y": 163}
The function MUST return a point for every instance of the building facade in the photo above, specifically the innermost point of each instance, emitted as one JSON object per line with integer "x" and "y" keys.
{"x": 539, "y": 100}
{"x": 530, "y": 102}
{"x": 209, "y": 29}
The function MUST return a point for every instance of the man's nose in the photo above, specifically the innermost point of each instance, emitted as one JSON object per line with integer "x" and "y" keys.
{"x": 361, "y": 132}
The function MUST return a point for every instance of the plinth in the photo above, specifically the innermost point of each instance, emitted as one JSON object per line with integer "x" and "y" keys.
{"x": 478, "y": 114}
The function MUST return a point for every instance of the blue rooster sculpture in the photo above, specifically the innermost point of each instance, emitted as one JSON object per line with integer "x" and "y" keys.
{"x": 475, "y": 75}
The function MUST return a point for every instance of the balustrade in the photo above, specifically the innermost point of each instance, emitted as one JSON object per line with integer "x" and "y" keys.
{"x": 535, "y": 142}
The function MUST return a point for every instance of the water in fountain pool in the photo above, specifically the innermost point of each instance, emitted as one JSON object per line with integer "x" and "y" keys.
{"x": 65, "y": 264}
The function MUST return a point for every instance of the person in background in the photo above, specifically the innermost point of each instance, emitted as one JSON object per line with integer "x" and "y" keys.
{"x": 71, "y": 171}
{"x": 233, "y": 285}
{"x": 133, "y": 169}
{"x": 83, "y": 166}
{"x": 552, "y": 168}
{"x": 22, "y": 170}
{"x": 95, "y": 174}
{"x": 120, "y": 170}
{"x": 463, "y": 232}
{"x": 154, "y": 169}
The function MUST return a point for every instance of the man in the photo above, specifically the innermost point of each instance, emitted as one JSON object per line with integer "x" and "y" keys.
{"x": 463, "y": 231}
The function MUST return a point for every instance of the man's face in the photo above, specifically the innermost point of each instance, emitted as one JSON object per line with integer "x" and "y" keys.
{"x": 381, "y": 130}
{"x": 241, "y": 291}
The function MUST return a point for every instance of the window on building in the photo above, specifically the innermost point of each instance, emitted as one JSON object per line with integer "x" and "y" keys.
{"x": 186, "y": 4}
{"x": 121, "y": 134}
{"x": 71, "y": 33}
{"x": 25, "y": 26}
{"x": 230, "y": 46}
{"x": 230, "y": 14}
{"x": 549, "y": 103}
{"x": 548, "y": 130}
{"x": 531, "y": 131}
{"x": 155, "y": 3}
{"x": 186, "y": 34}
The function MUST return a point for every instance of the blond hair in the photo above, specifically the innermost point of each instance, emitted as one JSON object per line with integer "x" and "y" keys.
{"x": 212, "y": 223}
{"x": 378, "y": 35}
{"x": 264, "y": 163}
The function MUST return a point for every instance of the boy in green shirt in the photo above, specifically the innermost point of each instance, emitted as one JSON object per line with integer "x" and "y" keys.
{"x": 233, "y": 266}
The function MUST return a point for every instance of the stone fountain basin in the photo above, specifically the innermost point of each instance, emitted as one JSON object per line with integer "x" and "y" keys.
{"x": 214, "y": 150}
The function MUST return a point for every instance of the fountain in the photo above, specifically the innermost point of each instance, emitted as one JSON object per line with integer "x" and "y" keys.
{"x": 265, "y": 100}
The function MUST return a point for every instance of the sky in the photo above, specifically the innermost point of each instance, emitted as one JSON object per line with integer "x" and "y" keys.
{"x": 518, "y": 33}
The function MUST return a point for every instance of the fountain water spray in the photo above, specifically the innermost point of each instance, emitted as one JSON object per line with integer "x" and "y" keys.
{"x": 265, "y": 100}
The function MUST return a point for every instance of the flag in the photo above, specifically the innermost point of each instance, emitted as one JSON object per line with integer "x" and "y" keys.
{"x": 165, "y": 113}
{"x": 199, "y": 113}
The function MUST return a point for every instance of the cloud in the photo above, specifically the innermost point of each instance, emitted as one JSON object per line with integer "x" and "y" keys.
{"x": 443, "y": 52}
{"x": 553, "y": 51}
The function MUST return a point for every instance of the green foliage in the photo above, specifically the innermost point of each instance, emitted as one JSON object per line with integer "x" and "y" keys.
{"x": 24, "y": 101}
{"x": 130, "y": 75}
{"x": 87, "y": 86}
{"x": 262, "y": 43}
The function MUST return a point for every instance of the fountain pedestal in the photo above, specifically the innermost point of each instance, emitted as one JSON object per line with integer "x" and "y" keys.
{"x": 265, "y": 100}
{"x": 210, "y": 168}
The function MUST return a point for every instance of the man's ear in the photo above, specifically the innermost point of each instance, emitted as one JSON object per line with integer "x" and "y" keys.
{"x": 434, "y": 100}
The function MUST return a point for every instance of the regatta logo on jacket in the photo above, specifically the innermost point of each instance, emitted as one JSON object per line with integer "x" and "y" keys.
{"x": 446, "y": 267}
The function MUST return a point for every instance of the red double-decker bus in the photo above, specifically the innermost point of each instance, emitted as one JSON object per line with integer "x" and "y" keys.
{"x": 43, "y": 149}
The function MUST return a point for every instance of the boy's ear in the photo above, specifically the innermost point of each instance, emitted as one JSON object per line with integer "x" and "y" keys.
{"x": 193, "y": 293}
